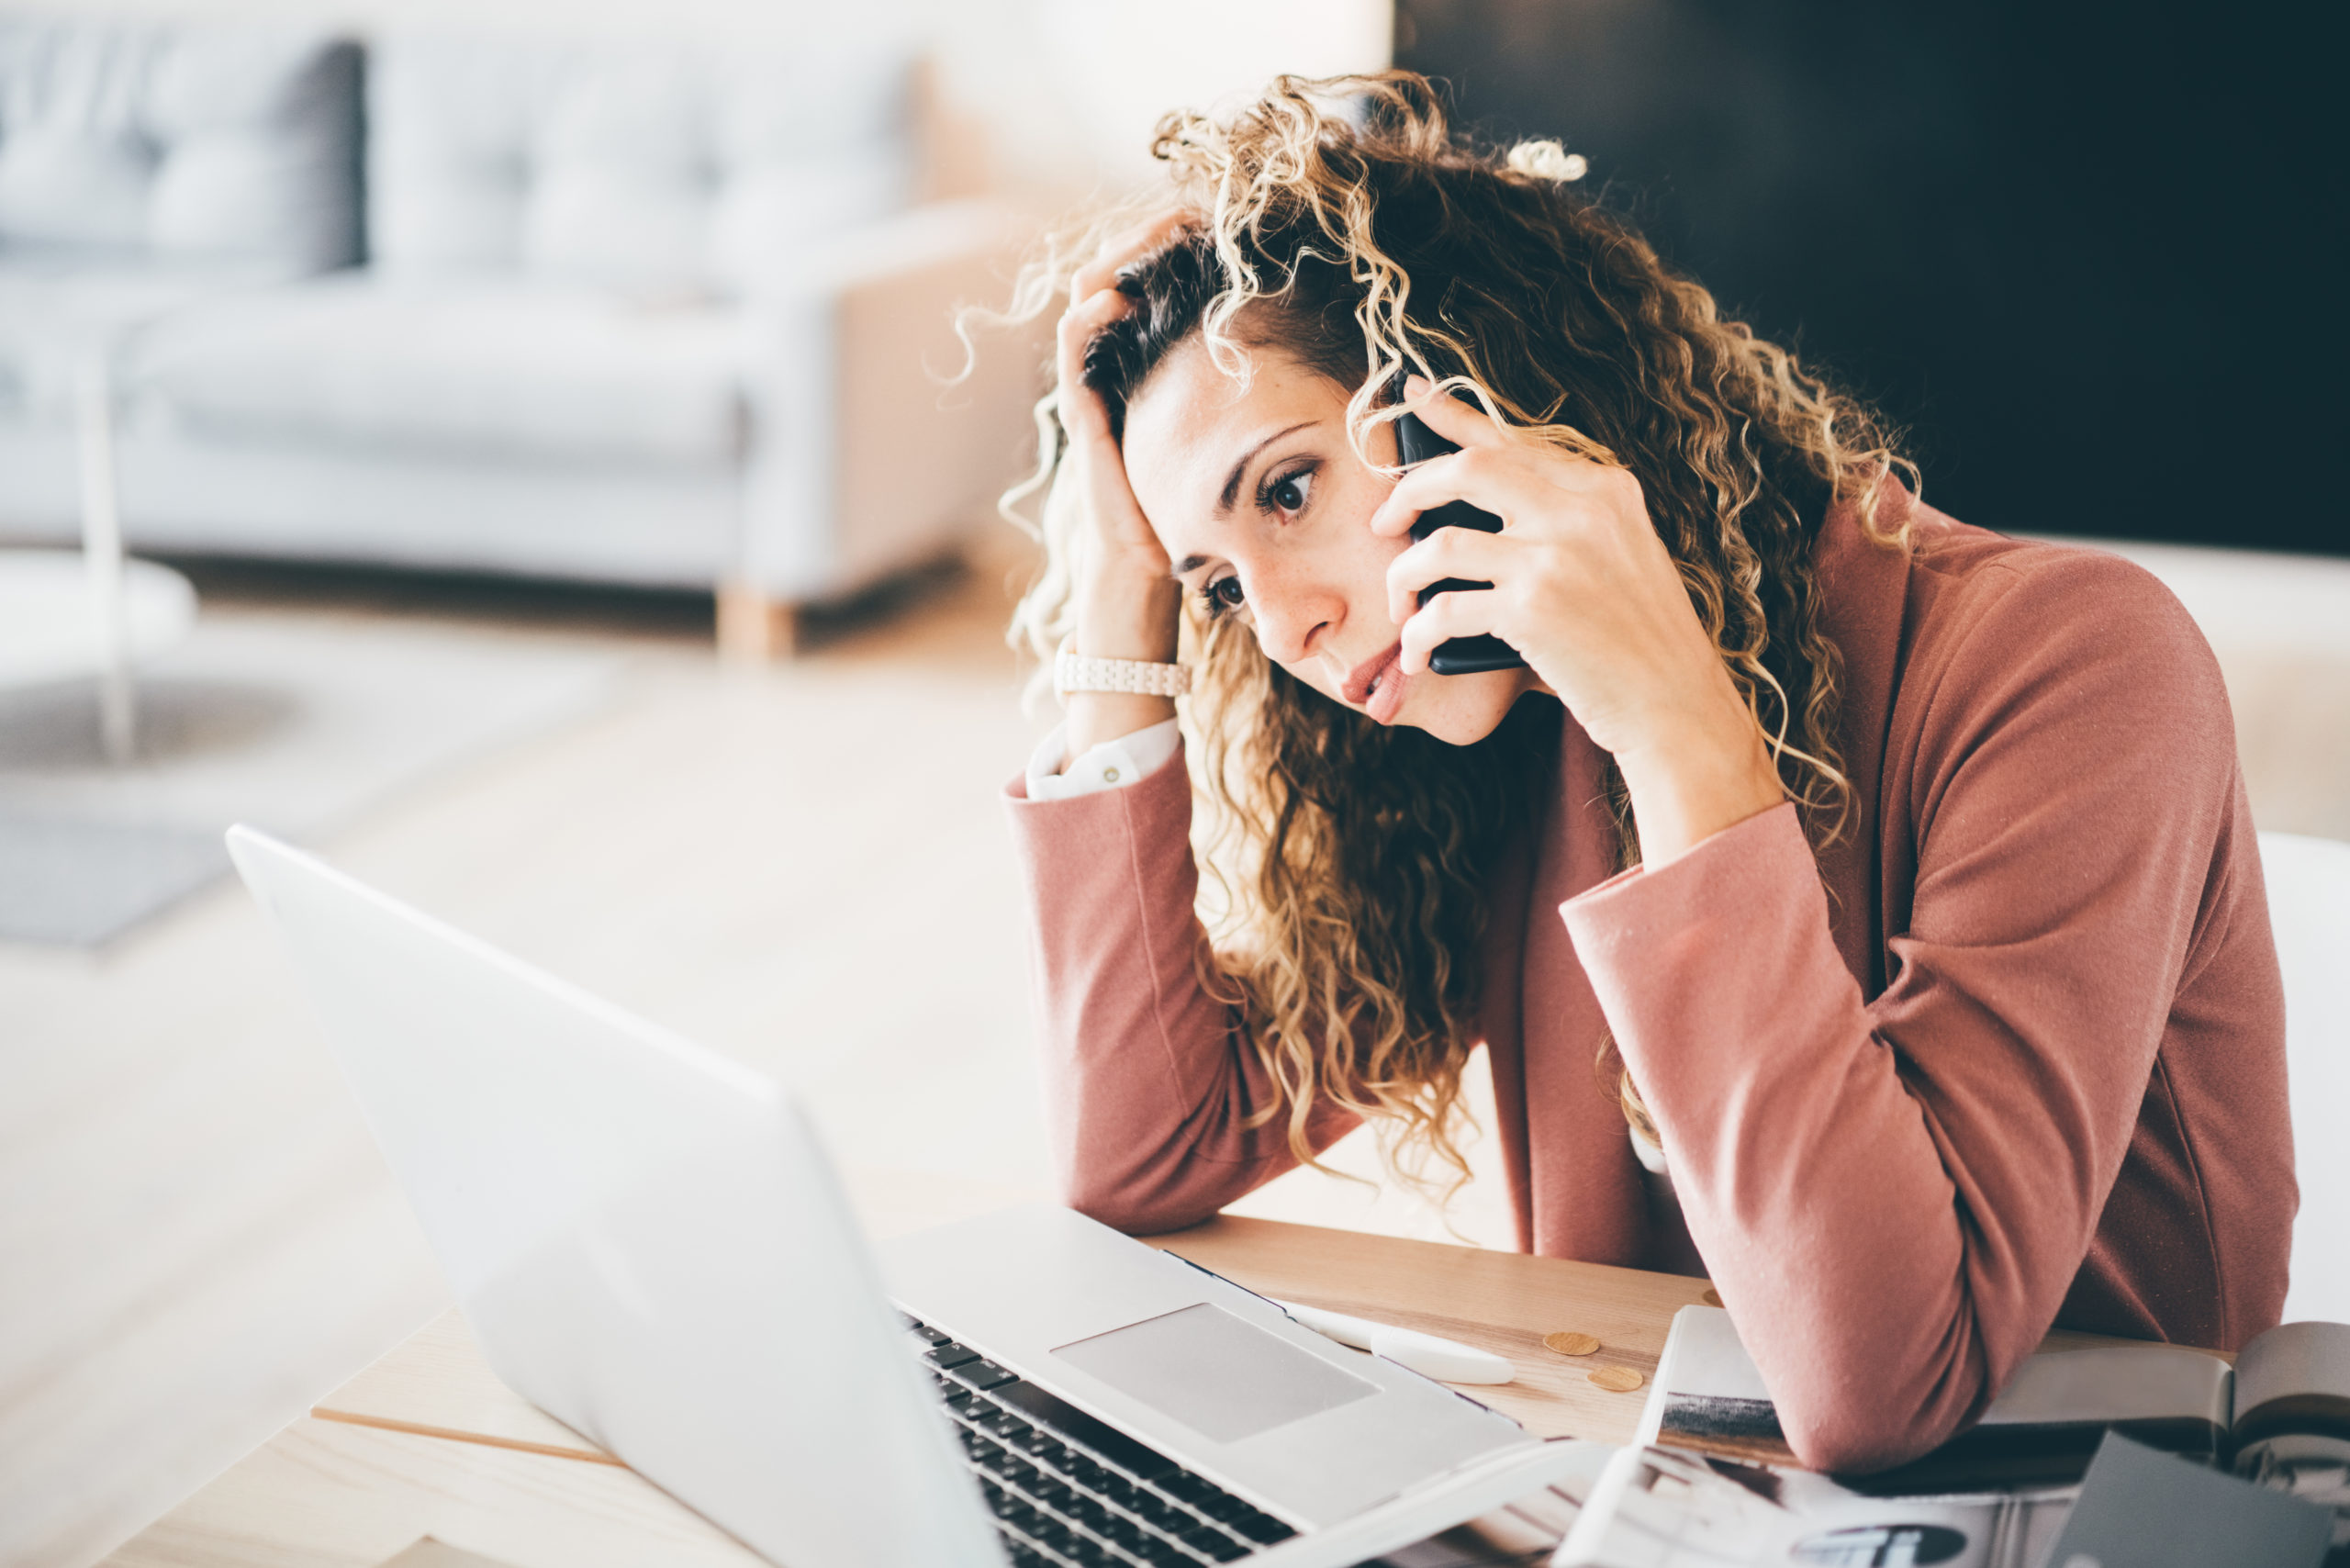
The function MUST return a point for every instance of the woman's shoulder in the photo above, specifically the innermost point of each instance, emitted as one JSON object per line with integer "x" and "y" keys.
{"x": 1979, "y": 565}
{"x": 1982, "y": 600}
{"x": 1998, "y": 628}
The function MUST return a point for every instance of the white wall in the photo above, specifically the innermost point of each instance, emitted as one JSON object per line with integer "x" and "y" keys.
{"x": 1105, "y": 70}
{"x": 1065, "y": 92}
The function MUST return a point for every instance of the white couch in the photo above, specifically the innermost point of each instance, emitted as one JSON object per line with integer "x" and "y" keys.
{"x": 141, "y": 169}
{"x": 633, "y": 315}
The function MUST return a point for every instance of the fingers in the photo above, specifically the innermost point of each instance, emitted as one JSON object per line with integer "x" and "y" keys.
{"x": 1080, "y": 322}
{"x": 1467, "y": 426}
{"x": 1466, "y": 613}
{"x": 1526, "y": 484}
{"x": 1095, "y": 302}
{"x": 1081, "y": 410}
{"x": 1467, "y": 476}
{"x": 1463, "y": 424}
{"x": 1121, "y": 250}
{"x": 1461, "y": 553}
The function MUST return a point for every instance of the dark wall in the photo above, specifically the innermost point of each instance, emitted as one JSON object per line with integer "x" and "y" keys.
{"x": 2090, "y": 256}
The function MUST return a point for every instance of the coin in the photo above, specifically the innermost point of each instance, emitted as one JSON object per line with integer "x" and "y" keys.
{"x": 1616, "y": 1380}
{"x": 1712, "y": 1298}
{"x": 1571, "y": 1344}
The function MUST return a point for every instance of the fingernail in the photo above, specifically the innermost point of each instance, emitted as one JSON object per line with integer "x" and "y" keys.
{"x": 1415, "y": 385}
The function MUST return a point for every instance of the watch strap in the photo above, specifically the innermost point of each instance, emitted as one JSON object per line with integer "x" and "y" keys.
{"x": 1075, "y": 672}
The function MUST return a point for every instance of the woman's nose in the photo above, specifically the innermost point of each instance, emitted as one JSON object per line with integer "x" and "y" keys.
{"x": 1294, "y": 620}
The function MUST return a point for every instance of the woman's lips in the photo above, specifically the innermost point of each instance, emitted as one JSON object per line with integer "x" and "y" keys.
{"x": 1377, "y": 685}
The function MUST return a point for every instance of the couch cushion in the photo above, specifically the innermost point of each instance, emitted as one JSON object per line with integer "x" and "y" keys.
{"x": 60, "y": 304}
{"x": 633, "y": 168}
{"x": 229, "y": 142}
{"x": 530, "y": 369}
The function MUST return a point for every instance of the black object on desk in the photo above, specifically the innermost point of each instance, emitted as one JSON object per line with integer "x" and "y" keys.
{"x": 2140, "y": 1508}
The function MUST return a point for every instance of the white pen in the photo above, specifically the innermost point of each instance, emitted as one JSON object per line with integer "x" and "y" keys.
{"x": 1447, "y": 1361}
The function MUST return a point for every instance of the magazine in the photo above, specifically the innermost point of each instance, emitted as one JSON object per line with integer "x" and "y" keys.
{"x": 1656, "y": 1507}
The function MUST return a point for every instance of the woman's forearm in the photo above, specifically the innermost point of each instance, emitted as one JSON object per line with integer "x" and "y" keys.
{"x": 1150, "y": 1091}
{"x": 1894, "y": 1194}
{"x": 1689, "y": 780}
{"x": 1129, "y": 614}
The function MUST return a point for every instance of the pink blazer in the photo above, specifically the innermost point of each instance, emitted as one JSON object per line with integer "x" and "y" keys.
{"x": 2008, "y": 1055}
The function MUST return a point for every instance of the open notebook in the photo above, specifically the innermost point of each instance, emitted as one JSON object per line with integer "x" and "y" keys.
{"x": 2280, "y": 1416}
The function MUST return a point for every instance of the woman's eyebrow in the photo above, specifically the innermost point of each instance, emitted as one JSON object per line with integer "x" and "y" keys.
{"x": 1188, "y": 565}
{"x": 1232, "y": 483}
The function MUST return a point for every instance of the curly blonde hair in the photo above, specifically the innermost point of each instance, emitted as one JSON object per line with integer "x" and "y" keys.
{"x": 1343, "y": 223}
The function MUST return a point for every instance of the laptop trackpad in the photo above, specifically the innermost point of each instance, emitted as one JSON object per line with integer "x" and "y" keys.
{"x": 1222, "y": 1377}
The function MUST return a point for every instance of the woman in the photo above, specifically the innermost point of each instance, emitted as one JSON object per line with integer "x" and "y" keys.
{"x": 1900, "y": 874}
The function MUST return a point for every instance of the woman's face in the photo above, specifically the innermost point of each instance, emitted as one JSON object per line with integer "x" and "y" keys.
{"x": 1264, "y": 510}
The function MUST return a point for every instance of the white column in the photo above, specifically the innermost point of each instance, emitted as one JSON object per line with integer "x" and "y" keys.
{"x": 102, "y": 551}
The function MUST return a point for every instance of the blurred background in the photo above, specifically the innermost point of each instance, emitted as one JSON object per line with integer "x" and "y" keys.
{"x": 506, "y": 444}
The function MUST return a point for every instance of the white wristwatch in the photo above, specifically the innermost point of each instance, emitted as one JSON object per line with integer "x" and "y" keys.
{"x": 1073, "y": 672}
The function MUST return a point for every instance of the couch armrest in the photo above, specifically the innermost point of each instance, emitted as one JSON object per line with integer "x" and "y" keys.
{"x": 863, "y": 458}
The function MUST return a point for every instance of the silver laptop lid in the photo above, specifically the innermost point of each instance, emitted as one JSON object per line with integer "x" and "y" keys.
{"x": 646, "y": 1238}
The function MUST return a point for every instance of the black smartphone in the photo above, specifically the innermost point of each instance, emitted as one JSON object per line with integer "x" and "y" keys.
{"x": 1415, "y": 443}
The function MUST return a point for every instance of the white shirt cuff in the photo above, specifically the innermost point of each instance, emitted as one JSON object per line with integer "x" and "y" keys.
{"x": 1112, "y": 765}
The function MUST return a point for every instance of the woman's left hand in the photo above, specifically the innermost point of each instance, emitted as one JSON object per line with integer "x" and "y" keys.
{"x": 1585, "y": 590}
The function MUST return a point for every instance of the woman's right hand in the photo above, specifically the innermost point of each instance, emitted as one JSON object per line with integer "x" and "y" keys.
{"x": 1127, "y": 604}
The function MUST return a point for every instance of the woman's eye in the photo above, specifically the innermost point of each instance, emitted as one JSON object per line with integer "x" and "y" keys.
{"x": 1224, "y": 596}
{"x": 1289, "y": 492}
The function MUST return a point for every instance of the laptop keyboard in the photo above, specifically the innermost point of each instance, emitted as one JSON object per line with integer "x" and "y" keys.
{"x": 1072, "y": 1492}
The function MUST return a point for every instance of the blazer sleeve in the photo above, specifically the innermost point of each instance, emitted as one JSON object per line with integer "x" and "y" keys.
{"x": 1149, "y": 1084}
{"x": 1894, "y": 1197}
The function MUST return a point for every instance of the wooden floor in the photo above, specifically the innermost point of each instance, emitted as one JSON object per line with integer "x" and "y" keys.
{"x": 803, "y": 866}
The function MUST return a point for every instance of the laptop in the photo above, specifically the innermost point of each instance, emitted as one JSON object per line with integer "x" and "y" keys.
{"x": 650, "y": 1244}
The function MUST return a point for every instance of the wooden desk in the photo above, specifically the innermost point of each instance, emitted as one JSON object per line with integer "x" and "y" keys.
{"x": 437, "y": 1385}
{"x": 333, "y": 1495}
{"x": 427, "y": 1442}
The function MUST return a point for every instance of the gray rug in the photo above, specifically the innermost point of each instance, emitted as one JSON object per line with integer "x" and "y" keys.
{"x": 296, "y": 724}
